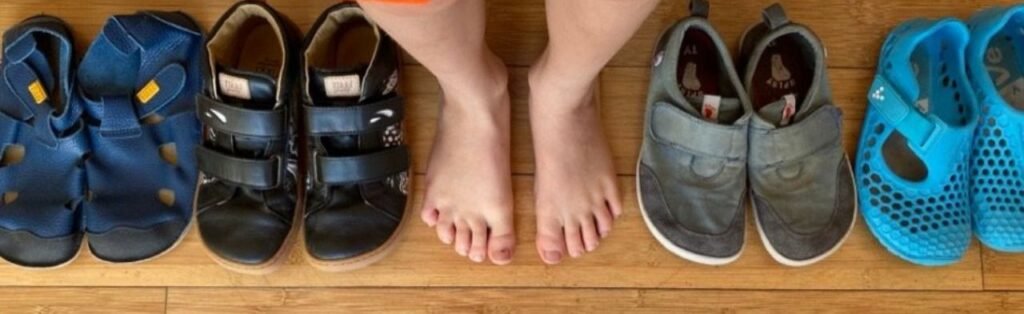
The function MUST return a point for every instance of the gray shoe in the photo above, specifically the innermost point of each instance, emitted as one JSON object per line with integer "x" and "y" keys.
{"x": 801, "y": 181}
{"x": 691, "y": 176}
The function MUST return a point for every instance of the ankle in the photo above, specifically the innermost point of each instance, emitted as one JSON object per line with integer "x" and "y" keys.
{"x": 558, "y": 88}
{"x": 484, "y": 86}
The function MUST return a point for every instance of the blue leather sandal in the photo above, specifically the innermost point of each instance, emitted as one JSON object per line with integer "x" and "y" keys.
{"x": 41, "y": 147}
{"x": 137, "y": 83}
{"x": 912, "y": 164}
{"x": 997, "y": 74}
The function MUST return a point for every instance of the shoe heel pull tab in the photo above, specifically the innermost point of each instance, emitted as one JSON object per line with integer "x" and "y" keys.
{"x": 699, "y": 8}
{"x": 775, "y": 16}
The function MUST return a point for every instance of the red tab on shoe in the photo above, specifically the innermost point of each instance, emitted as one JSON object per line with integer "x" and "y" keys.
{"x": 710, "y": 106}
{"x": 788, "y": 110}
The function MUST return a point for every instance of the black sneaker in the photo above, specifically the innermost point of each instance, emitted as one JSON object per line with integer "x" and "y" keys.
{"x": 246, "y": 198}
{"x": 358, "y": 173}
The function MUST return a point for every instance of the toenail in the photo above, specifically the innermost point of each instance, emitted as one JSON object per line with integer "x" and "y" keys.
{"x": 503, "y": 255}
{"x": 574, "y": 253}
{"x": 553, "y": 256}
{"x": 477, "y": 257}
{"x": 604, "y": 234}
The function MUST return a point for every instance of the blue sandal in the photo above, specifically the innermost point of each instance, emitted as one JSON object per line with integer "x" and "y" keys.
{"x": 994, "y": 56}
{"x": 912, "y": 164}
{"x": 41, "y": 147}
{"x": 137, "y": 84}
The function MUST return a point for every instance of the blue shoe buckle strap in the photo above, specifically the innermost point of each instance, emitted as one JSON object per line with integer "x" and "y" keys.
{"x": 120, "y": 119}
{"x": 919, "y": 129}
{"x": 36, "y": 107}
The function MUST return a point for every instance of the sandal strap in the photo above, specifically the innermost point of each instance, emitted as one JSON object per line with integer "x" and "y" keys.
{"x": 334, "y": 120}
{"x": 240, "y": 121}
{"x": 920, "y": 130}
{"x": 254, "y": 173}
{"x": 360, "y": 168}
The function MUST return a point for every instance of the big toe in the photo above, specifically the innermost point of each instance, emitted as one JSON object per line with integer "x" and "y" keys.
{"x": 501, "y": 243}
{"x": 550, "y": 241}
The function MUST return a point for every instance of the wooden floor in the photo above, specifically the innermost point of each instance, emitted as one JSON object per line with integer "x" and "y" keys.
{"x": 630, "y": 272}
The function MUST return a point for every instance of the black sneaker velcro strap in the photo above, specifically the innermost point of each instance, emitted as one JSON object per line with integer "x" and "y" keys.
{"x": 361, "y": 168}
{"x": 240, "y": 121}
{"x": 334, "y": 120}
{"x": 253, "y": 173}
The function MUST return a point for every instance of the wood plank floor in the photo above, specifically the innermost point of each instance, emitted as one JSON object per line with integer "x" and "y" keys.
{"x": 630, "y": 272}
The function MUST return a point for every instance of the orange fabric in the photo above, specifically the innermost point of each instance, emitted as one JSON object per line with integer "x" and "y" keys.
{"x": 400, "y": 1}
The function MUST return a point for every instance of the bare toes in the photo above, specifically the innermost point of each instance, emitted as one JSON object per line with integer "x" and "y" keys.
{"x": 590, "y": 237}
{"x": 478, "y": 245}
{"x": 550, "y": 240}
{"x": 613, "y": 201}
{"x": 462, "y": 237}
{"x": 603, "y": 219}
{"x": 445, "y": 229}
{"x": 429, "y": 215}
{"x": 573, "y": 239}
{"x": 500, "y": 243}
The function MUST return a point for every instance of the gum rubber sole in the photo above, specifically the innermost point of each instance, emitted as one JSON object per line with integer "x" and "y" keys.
{"x": 678, "y": 251}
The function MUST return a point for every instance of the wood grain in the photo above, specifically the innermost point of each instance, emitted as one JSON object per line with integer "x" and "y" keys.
{"x": 1003, "y": 271}
{"x": 630, "y": 272}
{"x": 582, "y": 301}
{"x": 82, "y": 300}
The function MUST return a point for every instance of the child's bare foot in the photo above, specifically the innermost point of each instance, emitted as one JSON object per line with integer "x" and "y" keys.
{"x": 576, "y": 193}
{"x": 468, "y": 184}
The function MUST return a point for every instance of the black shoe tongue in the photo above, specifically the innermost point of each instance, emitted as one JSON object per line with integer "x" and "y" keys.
{"x": 342, "y": 86}
{"x": 716, "y": 108}
{"x": 249, "y": 90}
{"x": 246, "y": 89}
{"x": 338, "y": 87}
{"x": 780, "y": 112}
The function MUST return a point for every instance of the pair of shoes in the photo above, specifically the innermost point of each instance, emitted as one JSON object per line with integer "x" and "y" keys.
{"x": 705, "y": 140}
{"x": 333, "y": 155}
{"x": 94, "y": 153}
{"x": 932, "y": 166}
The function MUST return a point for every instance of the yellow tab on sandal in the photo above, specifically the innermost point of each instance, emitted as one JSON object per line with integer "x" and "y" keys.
{"x": 38, "y": 93}
{"x": 147, "y": 92}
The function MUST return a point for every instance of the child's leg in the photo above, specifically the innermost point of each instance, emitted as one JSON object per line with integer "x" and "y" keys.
{"x": 468, "y": 183}
{"x": 577, "y": 196}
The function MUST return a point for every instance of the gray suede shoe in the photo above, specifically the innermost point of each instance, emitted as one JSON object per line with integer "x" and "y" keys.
{"x": 691, "y": 176}
{"x": 801, "y": 181}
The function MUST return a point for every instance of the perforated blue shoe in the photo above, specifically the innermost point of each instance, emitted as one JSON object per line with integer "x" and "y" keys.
{"x": 912, "y": 163}
{"x": 137, "y": 84}
{"x": 997, "y": 74}
{"x": 41, "y": 147}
